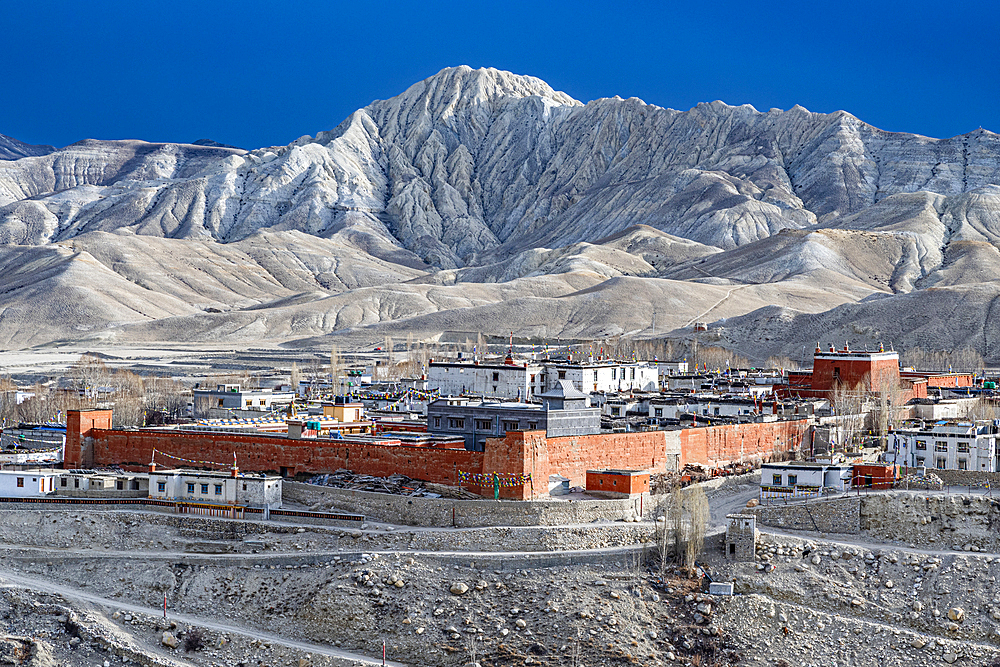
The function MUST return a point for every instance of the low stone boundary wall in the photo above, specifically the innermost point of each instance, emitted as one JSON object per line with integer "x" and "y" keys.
{"x": 837, "y": 515}
{"x": 250, "y": 513}
{"x": 967, "y": 477}
{"x": 444, "y": 512}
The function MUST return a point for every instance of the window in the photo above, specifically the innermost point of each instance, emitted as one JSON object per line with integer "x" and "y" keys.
{"x": 120, "y": 485}
{"x": 616, "y": 411}
{"x": 249, "y": 402}
{"x": 614, "y": 373}
{"x": 595, "y": 376}
{"x": 456, "y": 423}
{"x": 633, "y": 374}
{"x": 963, "y": 448}
{"x": 562, "y": 375}
{"x": 244, "y": 486}
{"x": 496, "y": 376}
{"x": 161, "y": 487}
{"x": 940, "y": 446}
{"x": 963, "y": 464}
{"x": 483, "y": 424}
{"x": 532, "y": 426}
{"x": 921, "y": 444}
{"x": 190, "y": 487}
{"x": 792, "y": 480}
{"x": 716, "y": 411}
{"x": 511, "y": 426}
{"x": 657, "y": 412}
{"x": 76, "y": 483}
{"x": 941, "y": 464}
{"x": 262, "y": 402}
{"x": 218, "y": 489}
{"x": 920, "y": 461}
{"x": 20, "y": 482}
{"x": 204, "y": 488}
{"x": 62, "y": 482}
{"x": 220, "y": 402}
{"x": 437, "y": 421}
{"x": 776, "y": 480}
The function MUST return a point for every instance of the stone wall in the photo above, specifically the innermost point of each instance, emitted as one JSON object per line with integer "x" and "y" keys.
{"x": 944, "y": 521}
{"x": 442, "y": 512}
{"x": 837, "y": 515}
{"x": 967, "y": 477}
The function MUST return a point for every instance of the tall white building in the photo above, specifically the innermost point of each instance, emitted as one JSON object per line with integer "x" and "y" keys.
{"x": 603, "y": 376}
{"x": 946, "y": 445}
{"x": 511, "y": 381}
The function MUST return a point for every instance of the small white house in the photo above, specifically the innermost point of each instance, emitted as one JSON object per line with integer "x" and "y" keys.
{"x": 200, "y": 486}
{"x": 802, "y": 479}
{"x": 27, "y": 483}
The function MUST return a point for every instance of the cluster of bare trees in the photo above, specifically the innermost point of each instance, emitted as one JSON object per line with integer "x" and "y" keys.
{"x": 91, "y": 384}
{"x": 881, "y": 395}
{"x": 680, "y": 534}
{"x": 963, "y": 359}
{"x": 982, "y": 409}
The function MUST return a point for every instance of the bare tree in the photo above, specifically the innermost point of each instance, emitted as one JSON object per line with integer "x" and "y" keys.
{"x": 697, "y": 510}
{"x": 202, "y": 406}
{"x": 388, "y": 350}
{"x": 336, "y": 371}
{"x": 963, "y": 359}
{"x": 889, "y": 399}
{"x": 89, "y": 374}
{"x": 682, "y": 532}
{"x": 786, "y": 363}
{"x": 848, "y": 406}
{"x": 981, "y": 409}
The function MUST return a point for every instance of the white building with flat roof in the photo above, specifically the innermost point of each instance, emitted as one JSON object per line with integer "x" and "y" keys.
{"x": 495, "y": 380}
{"x": 203, "y": 486}
{"x": 28, "y": 483}
{"x": 234, "y": 397}
{"x": 946, "y": 445}
{"x": 603, "y": 376}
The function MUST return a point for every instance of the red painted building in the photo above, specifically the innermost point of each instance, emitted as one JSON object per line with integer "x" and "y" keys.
{"x": 833, "y": 369}
{"x": 618, "y": 482}
{"x": 874, "y": 476}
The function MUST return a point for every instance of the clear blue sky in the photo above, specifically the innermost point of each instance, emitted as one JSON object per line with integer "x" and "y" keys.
{"x": 256, "y": 73}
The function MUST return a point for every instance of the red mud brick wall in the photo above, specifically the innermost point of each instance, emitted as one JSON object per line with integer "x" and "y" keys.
{"x": 720, "y": 445}
{"x": 134, "y": 449}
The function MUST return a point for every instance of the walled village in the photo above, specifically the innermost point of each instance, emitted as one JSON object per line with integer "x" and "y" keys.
{"x": 592, "y": 504}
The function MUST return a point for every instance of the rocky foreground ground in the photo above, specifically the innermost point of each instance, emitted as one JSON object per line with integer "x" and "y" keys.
{"x": 305, "y": 595}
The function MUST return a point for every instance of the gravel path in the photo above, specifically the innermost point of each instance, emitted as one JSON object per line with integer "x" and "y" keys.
{"x": 10, "y": 578}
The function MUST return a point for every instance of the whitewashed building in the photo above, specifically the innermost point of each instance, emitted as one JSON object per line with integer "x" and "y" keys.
{"x": 802, "y": 479}
{"x": 946, "y": 445}
{"x": 28, "y": 483}
{"x": 495, "y": 380}
{"x": 199, "y": 486}
{"x": 234, "y": 397}
{"x": 603, "y": 376}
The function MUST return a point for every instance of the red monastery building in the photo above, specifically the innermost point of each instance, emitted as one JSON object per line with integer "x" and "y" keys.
{"x": 874, "y": 371}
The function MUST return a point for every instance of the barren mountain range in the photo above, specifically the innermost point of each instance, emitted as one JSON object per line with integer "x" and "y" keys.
{"x": 483, "y": 201}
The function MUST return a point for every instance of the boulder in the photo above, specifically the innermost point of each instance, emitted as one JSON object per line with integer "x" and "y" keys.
{"x": 458, "y": 588}
{"x": 168, "y": 639}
